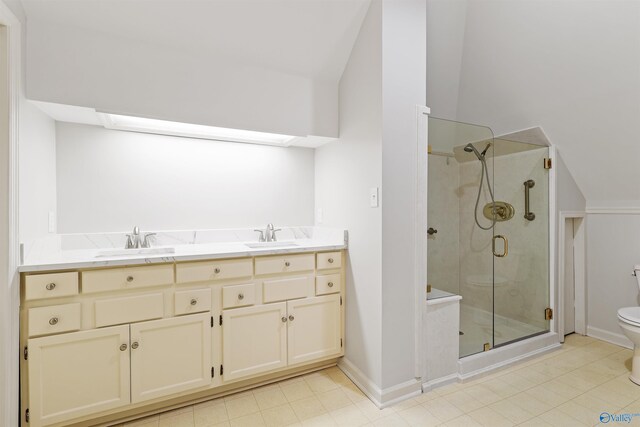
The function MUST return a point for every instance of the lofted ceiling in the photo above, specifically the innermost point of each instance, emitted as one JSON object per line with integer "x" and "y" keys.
{"x": 310, "y": 38}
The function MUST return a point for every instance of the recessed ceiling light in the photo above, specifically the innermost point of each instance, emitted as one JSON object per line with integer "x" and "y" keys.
{"x": 164, "y": 127}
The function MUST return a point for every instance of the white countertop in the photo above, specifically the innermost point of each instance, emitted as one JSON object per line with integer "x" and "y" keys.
{"x": 63, "y": 252}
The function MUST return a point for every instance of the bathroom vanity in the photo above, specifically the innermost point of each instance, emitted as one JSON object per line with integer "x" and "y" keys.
{"x": 129, "y": 338}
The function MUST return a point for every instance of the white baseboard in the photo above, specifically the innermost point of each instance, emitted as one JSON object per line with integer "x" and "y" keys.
{"x": 440, "y": 382}
{"x": 382, "y": 398}
{"x": 611, "y": 337}
{"x": 368, "y": 387}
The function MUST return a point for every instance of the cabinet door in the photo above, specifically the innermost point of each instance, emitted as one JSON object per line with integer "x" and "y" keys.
{"x": 170, "y": 356}
{"x": 313, "y": 328}
{"x": 76, "y": 374}
{"x": 254, "y": 340}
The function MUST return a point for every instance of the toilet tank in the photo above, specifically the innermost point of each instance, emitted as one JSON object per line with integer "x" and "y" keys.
{"x": 636, "y": 272}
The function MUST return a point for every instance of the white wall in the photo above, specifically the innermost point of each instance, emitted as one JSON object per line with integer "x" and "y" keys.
{"x": 403, "y": 88}
{"x": 74, "y": 66}
{"x": 11, "y": 94}
{"x": 613, "y": 248}
{"x": 112, "y": 180}
{"x": 345, "y": 170}
{"x": 37, "y": 172}
{"x": 383, "y": 83}
{"x": 445, "y": 44}
{"x": 567, "y": 66}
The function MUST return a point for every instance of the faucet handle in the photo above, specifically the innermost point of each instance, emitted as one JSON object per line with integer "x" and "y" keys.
{"x": 261, "y": 238}
{"x": 129, "y": 244}
{"x": 273, "y": 233}
{"x": 145, "y": 241}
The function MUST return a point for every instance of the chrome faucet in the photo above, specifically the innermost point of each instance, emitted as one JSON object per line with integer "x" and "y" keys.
{"x": 269, "y": 234}
{"x": 134, "y": 241}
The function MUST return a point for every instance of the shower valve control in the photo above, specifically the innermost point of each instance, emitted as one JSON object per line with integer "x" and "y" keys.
{"x": 431, "y": 231}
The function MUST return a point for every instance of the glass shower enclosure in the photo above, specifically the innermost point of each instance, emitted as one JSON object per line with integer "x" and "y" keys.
{"x": 488, "y": 237}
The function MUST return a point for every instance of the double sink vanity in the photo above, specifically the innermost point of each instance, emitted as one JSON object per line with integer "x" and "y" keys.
{"x": 108, "y": 338}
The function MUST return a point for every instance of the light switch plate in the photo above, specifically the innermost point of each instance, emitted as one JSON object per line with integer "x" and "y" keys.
{"x": 373, "y": 197}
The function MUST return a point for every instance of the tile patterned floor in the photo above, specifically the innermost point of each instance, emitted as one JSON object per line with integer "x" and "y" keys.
{"x": 569, "y": 387}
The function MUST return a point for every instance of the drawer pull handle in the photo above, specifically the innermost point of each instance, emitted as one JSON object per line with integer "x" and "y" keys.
{"x": 216, "y": 270}
{"x": 129, "y": 278}
{"x": 50, "y": 286}
{"x": 194, "y": 301}
{"x": 53, "y": 321}
{"x": 287, "y": 264}
{"x": 135, "y": 345}
{"x": 240, "y": 296}
{"x": 330, "y": 284}
{"x": 284, "y": 319}
{"x": 291, "y": 317}
{"x": 330, "y": 260}
{"x": 123, "y": 347}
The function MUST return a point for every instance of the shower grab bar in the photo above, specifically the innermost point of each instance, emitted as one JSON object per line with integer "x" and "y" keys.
{"x": 506, "y": 246}
{"x": 528, "y": 184}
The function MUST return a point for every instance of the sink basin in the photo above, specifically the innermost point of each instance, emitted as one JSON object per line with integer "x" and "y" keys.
{"x": 258, "y": 245}
{"x": 139, "y": 251}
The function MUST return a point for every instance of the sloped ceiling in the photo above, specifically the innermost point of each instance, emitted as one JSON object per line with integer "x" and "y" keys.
{"x": 572, "y": 68}
{"x": 310, "y": 38}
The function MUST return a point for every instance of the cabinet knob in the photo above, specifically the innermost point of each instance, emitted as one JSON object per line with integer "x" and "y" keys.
{"x": 129, "y": 278}
{"x": 216, "y": 270}
{"x": 284, "y": 319}
{"x": 241, "y": 296}
{"x": 287, "y": 264}
{"x": 135, "y": 345}
{"x": 330, "y": 284}
{"x": 50, "y": 286}
{"x": 291, "y": 317}
{"x": 123, "y": 347}
{"x": 194, "y": 301}
{"x": 53, "y": 321}
{"x": 330, "y": 260}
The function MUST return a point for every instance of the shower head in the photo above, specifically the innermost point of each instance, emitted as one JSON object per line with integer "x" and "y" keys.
{"x": 469, "y": 148}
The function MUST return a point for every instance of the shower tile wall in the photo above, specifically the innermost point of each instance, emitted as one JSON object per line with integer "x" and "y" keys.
{"x": 442, "y": 210}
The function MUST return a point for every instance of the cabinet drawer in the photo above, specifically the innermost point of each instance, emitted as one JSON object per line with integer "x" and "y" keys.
{"x": 126, "y": 278}
{"x": 328, "y": 284}
{"x": 193, "y": 301}
{"x": 214, "y": 270}
{"x": 328, "y": 260}
{"x": 115, "y": 311}
{"x": 39, "y": 286}
{"x": 54, "y": 319}
{"x": 238, "y": 295}
{"x": 289, "y": 288}
{"x": 284, "y": 264}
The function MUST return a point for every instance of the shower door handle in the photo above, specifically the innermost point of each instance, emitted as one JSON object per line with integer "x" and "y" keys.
{"x": 528, "y": 184}
{"x": 506, "y": 246}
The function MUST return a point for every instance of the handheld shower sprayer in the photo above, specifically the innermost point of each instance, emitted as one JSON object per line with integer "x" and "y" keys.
{"x": 469, "y": 148}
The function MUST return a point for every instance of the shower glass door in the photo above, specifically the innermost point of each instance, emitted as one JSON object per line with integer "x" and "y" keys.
{"x": 459, "y": 251}
{"x": 521, "y": 276}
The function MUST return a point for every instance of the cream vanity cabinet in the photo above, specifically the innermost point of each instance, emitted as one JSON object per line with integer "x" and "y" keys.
{"x": 104, "y": 341}
{"x": 89, "y": 371}
{"x": 292, "y": 325}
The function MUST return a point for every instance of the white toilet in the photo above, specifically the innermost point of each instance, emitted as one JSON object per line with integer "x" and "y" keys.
{"x": 629, "y": 321}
